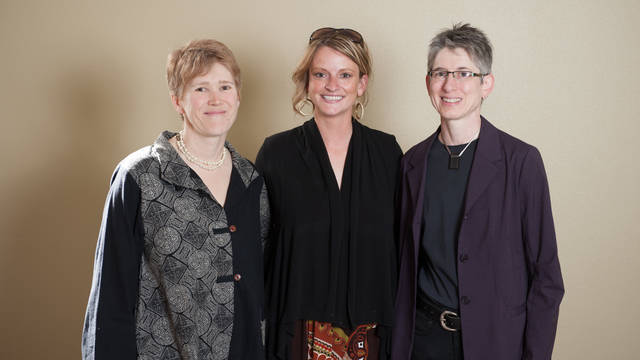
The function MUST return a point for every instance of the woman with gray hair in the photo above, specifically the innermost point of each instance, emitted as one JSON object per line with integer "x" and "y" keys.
{"x": 479, "y": 272}
{"x": 178, "y": 267}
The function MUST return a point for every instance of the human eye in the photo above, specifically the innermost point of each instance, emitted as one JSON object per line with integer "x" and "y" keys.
{"x": 440, "y": 74}
{"x": 200, "y": 89}
{"x": 346, "y": 75}
{"x": 319, "y": 75}
{"x": 226, "y": 87}
{"x": 464, "y": 74}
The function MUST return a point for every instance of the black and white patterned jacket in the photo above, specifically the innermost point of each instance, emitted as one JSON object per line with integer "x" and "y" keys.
{"x": 176, "y": 275}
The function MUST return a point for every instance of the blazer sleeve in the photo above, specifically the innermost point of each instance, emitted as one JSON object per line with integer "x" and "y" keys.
{"x": 110, "y": 325}
{"x": 546, "y": 287}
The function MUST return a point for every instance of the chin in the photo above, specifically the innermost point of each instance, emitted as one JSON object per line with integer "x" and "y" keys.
{"x": 333, "y": 112}
{"x": 217, "y": 132}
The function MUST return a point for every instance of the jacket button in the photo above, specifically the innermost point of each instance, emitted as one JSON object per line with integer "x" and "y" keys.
{"x": 464, "y": 257}
{"x": 466, "y": 216}
{"x": 237, "y": 277}
{"x": 465, "y": 300}
{"x": 232, "y": 228}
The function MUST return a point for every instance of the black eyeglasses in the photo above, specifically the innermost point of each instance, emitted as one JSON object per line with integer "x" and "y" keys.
{"x": 440, "y": 75}
{"x": 328, "y": 32}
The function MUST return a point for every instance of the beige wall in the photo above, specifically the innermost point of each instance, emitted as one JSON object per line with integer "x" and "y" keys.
{"x": 83, "y": 85}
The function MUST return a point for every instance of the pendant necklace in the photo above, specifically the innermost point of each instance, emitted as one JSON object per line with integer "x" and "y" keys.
{"x": 454, "y": 159}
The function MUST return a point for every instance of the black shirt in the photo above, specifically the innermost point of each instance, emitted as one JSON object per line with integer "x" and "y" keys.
{"x": 331, "y": 256}
{"x": 443, "y": 205}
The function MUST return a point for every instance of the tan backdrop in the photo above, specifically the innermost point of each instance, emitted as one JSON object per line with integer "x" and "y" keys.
{"x": 83, "y": 85}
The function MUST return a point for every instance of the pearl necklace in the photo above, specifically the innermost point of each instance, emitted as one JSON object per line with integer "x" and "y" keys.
{"x": 205, "y": 164}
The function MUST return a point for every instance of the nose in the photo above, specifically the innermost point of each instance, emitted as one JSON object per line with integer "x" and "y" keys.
{"x": 214, "y": 97}
{"x": 331, "y": 84}
{"x": 450, "y": 82}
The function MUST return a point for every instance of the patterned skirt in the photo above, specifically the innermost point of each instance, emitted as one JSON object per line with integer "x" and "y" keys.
{"x": 315, "y": 340}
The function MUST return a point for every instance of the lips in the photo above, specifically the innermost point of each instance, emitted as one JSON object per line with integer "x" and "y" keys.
{"x": 217, "y": 112}
{"x": 451, "y": 100}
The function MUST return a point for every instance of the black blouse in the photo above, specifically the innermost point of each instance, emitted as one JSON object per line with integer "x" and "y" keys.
{"x": 331, "y": 255}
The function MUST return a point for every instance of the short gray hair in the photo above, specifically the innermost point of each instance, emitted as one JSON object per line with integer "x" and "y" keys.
{"x": 466, "y": 37}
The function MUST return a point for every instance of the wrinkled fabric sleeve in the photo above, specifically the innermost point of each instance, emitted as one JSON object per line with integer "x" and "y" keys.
{"x": 110, "y": 324}
{"x": 396, "y": 173}
{"x": 402, "y": 334}
{"x": 263, "y": 165}
{"x": 397, "y": 194}
{"x": 546, "y": 287}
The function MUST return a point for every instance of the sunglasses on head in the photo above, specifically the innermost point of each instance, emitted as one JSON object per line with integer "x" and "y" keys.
{"x": 328, "y": 32}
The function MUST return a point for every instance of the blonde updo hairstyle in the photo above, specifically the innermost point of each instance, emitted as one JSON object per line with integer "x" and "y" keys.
{"x": 195, "y": 59}
{"x": 337, "y": 40}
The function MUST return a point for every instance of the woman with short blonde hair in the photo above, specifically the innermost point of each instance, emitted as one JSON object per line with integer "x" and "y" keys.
{"x": 178, "y": 270}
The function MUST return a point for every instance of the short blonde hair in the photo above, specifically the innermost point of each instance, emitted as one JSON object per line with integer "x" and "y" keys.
{"x": 194, "y": 59}
{"x": 337, "y": 40}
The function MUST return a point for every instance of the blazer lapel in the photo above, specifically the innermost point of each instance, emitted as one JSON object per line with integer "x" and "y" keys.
{"x": 485, "y": 163}
{"x": 416, "y": 166}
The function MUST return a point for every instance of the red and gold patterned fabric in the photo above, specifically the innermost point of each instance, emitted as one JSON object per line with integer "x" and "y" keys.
{"x": 327, "y": 342}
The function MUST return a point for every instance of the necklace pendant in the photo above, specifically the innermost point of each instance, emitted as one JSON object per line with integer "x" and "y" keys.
{"x": 454, "y": 161}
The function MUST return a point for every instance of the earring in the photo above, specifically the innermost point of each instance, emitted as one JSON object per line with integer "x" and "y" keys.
{"x": 301, "y": 105}
{"x": 359, "y": 115}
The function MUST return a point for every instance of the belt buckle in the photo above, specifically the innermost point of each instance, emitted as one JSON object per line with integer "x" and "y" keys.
{"x": 443, "y": 320}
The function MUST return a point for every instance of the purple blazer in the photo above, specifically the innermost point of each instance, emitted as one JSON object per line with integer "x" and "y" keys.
{"x": 509, "y": 279}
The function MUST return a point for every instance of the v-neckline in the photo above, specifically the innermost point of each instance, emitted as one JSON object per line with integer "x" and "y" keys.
{"x": 325, "y": 161}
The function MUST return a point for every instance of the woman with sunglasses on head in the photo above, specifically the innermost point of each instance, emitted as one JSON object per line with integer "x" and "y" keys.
{"x": 330, "y": 261}
{"x": 178, "y": 270}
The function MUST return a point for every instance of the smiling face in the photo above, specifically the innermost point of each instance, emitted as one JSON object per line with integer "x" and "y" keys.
{"x": 334, "y": 84}
{"x": 458, "y": 99}
{"x": 209, "y": 103}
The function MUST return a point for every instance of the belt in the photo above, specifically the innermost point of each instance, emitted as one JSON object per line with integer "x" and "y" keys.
{"x": 449, "y": 319}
